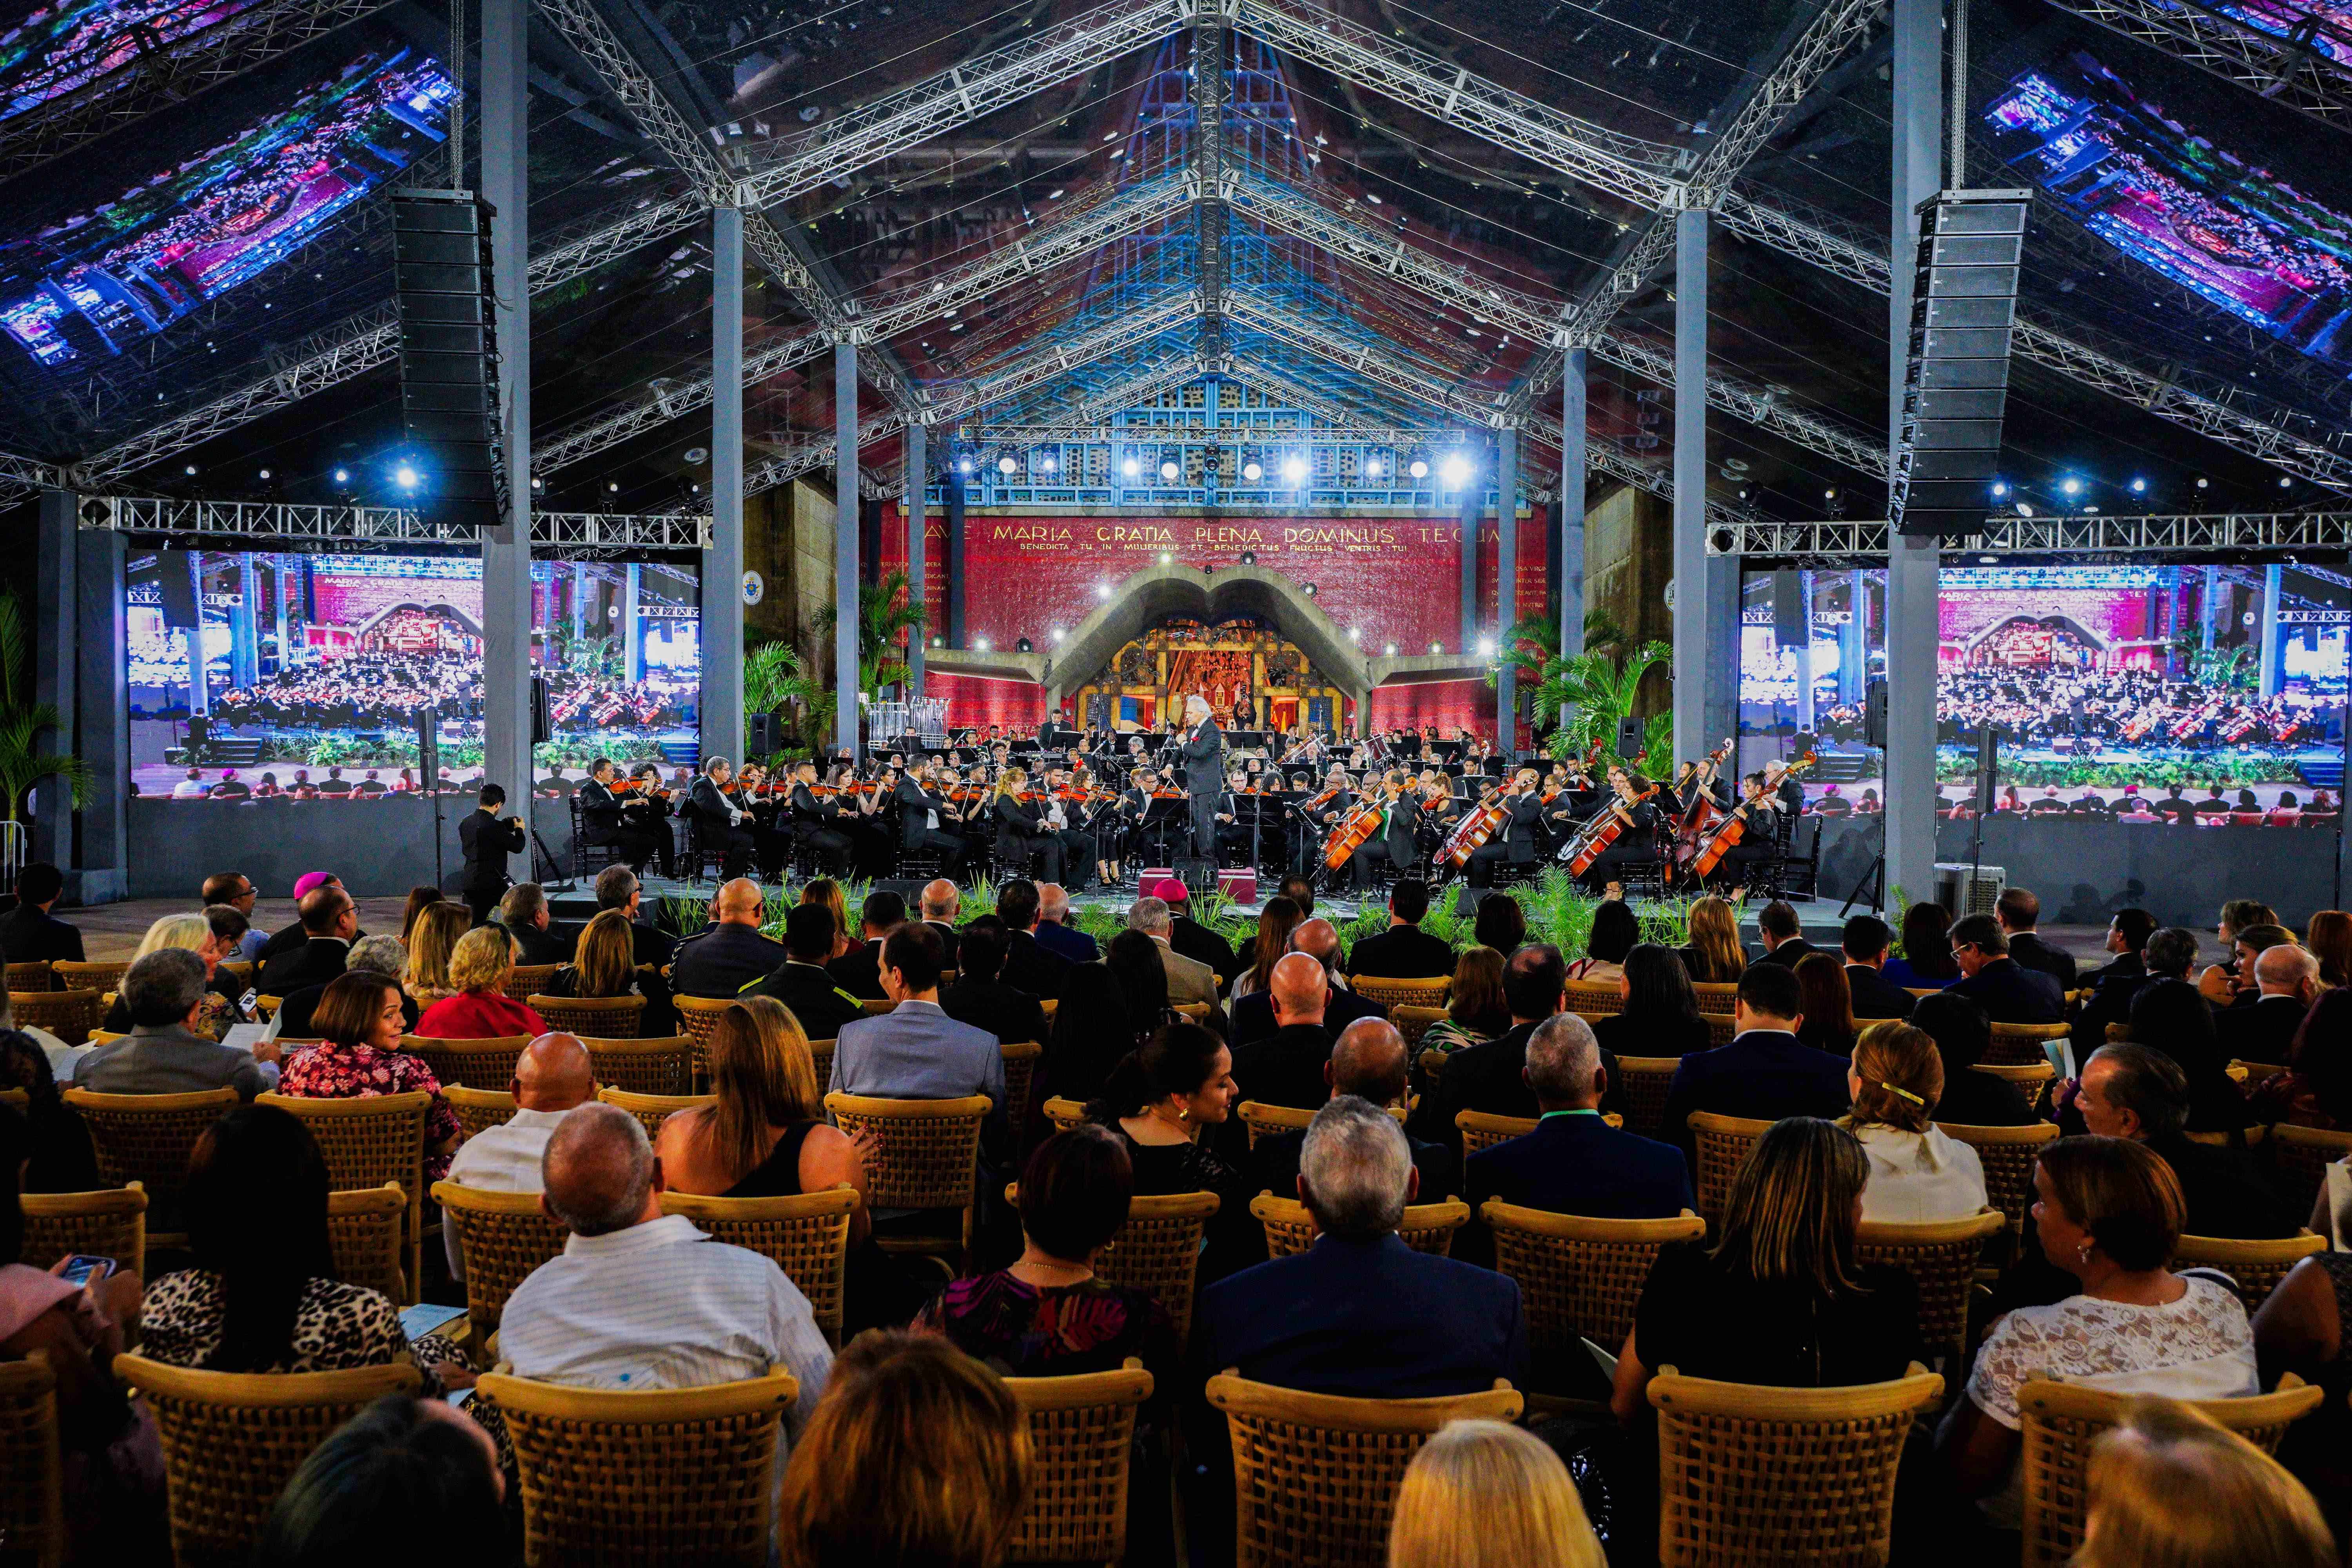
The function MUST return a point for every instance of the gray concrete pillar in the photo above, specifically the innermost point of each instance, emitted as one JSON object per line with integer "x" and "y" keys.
{"x": 245, "y": 625}
{"x": 1694, "y": 606}
{"x": 1570, "y": 577}
{"x": 633, "y": 636}
{"x": 845, "y": 547}
{"x": 722, "y": 569}
{"x": 2269, "y": 632}
{"x": 954, "y": 499}
{"x": 506, "y": 751}
{"x": 103, "y": 698}
{"x": 1472, "y": 508}
{"x": 1506, "y": 584}
{"x": 1853, "y": 639}
{"x": 919, "y": 469}
{"x": 200, "y": 696}
{"x": 55, "y": 613}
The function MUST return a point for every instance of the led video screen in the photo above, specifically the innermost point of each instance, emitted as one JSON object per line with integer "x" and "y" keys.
{"x": 2326, "y": 29}
{"x": 316, "y": 668}
{"x": 54, "y": 50}
{"x": 2094, "y": 677}
{"x": 96, "y": 282}
{"x": 2168, "y": 197}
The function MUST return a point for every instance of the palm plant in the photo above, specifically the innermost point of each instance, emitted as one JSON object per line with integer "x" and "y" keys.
{"x": 888, "y": 614}
{"x": 772, "y": 678}
{"x": 23, "y": 762}
{"x": 1555, "y": 684}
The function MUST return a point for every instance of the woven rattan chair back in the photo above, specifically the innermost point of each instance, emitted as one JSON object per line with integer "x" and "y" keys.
{"x": 1081, "y": 1430}
{"x": 364, "y": 1229}
{"x": 501, "y": 1236}
{"x": 34, "y": 975}
{"x": 109, "y": 1223}
{"x": 1158, "y": 1250}
{"x": 479, "y": 1109}
{"x": 477, "y": 1063}
{"x": 1595, "y": 996}
{"x": 525, "y": 980}
{"x": 925, "y": 1155}
{"x": 2033, "y": 1078}
{"x": 1290, "y": 1227}
{"x": 98, "y": 974}
{"x": 2006, "y": 1155}
{"x": 2299, "y": 1160}
{"x": 806, "y": 1234}
{"x": 821, "y": 1058}
{"x": 70, "y": 1015}
{"x": 664, "y": 1065}
{"x": 1395, "y": 994}
{"x": 1716, "y": 996}
{"x": 2020, "y": 1045}
{"x": 1941, "y": 1258}
{"x": 1020, "y": 1059}
{"x": 2255, "y": 1268}
{"x": 1723, "y": 1141}
{"x": 2062, "y": 1419}
{"x": 1194, "y": 1012}
{"x": 878, "y": 1007}
{"x": 232, "y": 1440}
{"x": 1414, "y": 1022}
{"x": 1064, "y": 1114}
{"x": 606, "y": 1018}
{"x": 1644, "y": 1081}
{"x": 1579, "y": 1277}
{"x": 16, "y": 1099}
{"x": 1263, "y": 1121}
{"x": 681, "y": 1475}
{"x": 367, "y": 1141}
{"x": 653, "y": 1110}
{"x": 267, "y": 1006}
{"x": 697, "y": 1017}
{"x": 1481, "y": 1131}
{"x": 1751, "y": 1474}
{"x": 1315, "y": 1475}
{"x": 32, "y": 1464}
{"x": 147, "y": 1139}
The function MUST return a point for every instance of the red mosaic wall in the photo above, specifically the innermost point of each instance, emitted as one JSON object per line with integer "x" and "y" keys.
{"x": 977, "y": 701}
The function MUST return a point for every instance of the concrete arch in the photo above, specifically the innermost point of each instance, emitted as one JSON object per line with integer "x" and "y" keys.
{"x": 1158, "y": 593}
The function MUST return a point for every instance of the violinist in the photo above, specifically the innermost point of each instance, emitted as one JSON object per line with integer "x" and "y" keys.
{"x": 922, "y": 814}
{"x": 773, "y": 842}
{"x": 861, "y": 806}
{"x": 813, "y": 819}
{"x": 1515, "y": 840}
{"x": 1087, "y": 805}
{"x": 1232, "y": 845}
{"x": 601, "y": 820}
{"x": 645, "y": 808}
{"x": 1123, "y": 834}
{"x": 717, "y": 820}
{"x": 1398, "y": 842}
{"x": 1637, "y": 844}
{"x": 1021, "y": 830}
{"x": 1060, "y": 819}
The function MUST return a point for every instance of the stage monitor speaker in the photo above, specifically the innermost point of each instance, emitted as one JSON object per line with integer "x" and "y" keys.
{"x": 1874, "y": 714}
{"x": 1987, "y": 767}
{"x": 1963, "y": 312}
{"x": 428, "y": 748}
{"x": 1789, "y": 629}
{"x": 448, "y": 347}
{"x": 761, "y": 735}
{"x": 1629, "y": 737}
{"x": 543, "y": 728}
{"x": 177, "y": 585}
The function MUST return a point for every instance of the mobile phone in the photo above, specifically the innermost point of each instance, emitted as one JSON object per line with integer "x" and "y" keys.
{"x": 86, "y": 1269}
{"x": 244, "y": 1003}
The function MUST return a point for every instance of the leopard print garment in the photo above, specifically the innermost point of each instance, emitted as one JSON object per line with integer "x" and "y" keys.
{"x": 336, "y": 1327}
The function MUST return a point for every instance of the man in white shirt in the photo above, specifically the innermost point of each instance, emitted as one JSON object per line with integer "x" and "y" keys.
{"x": 191, "y": 787}
{"x": 640, "y": 1300}
{"x": 552, "y": 1077}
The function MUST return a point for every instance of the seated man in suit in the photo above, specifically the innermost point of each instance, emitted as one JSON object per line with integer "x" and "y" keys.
{"x": 1492, "y": 1077}
{"x": 1192, "y": 940}
{"x": 288, "y": 938}
{"x": 1318, "y": 940}
{"x": 2165, "y": 954}
{"x": 859, "y": 970}
{"x": 163, "y": 1054}
{"x": 2008, "y": 991}
{"x": 2127, "y": 935}
{"x": 730, "y": 953}
{"x": 2287, "y": 977}
{"x": 1368, "y": 1062}
{"x": 1784, "y": 938}
{"x": 1403, "y": 952}
{"x": 329, "y": 921}
{"x": 942, "y": 903}
{"x": 1765, "y": 1073}
{"x": 2016, "y": 911}
{"x": 28, "y": 933}
{"x": 1574, "y": 1162}
{"x": 1288, "y": 1068}
{"x": 1189, "y": 980}
{"x": 524, "y": 912}
{"x": 617, "y": 887}
{"x": 1054, "y": 933}
{"x": 383, "y": 955}
{"x": 1029, "y": 964}
{"x": 802, "y": 982}
{"x": 916, "y": 1051}
{"x": 1865, "y": 940}
{"x": 981, "y": 999}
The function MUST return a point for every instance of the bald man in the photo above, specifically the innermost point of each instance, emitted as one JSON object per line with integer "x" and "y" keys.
{"x": 1289, "y": 1066}
{"x": 728, "y": 953}
{"x": 330, "y": 922}
{"x": 1253, "y": 1016}
{"x": 2287, "y": 981}
{"x": 552, "y": 1077}
{"x": 1054, "y": 933}
{"x": 1369, "y": 1061}
{"x": 942, "y": 903}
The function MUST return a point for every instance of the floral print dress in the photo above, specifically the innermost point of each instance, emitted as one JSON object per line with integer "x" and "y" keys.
{"x": 331, "y": 1071}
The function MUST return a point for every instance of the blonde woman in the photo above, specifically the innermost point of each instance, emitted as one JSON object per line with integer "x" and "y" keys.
{"x": 1475, "y": 1011}
{"x": 1716, "y": 955}
{"x": 604, "y": 963}
{"x": 1485, "y": 1494}
{"x": 481, "y": 1010}
{"x": 1021, "y": 829}
{"x": 431, "y": 940}
{"x": 194, "y": 934}
{"x": 1917, "y": 1173}
{"x": 2171, "y": 1487}
{"x": 825, "y": 890}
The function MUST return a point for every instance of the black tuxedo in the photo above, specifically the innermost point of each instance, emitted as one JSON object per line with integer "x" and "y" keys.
{"x": 538, "y": 947}
{"x": 1021, "y": 833}
{"x": 1400, "y": 953}
{"x": 1286, "y": 1067}
{"x": 601, "y": 821}
{"x": 1398, "y": 843}
{"x": 1789, "y": 952}
{"x": 714, "y": 819}
{"x": 814, "y": 825}
{"x": 1202, "y": 754}
{"x": 916, "y": 805}
{"x": 1515, "y": 842}
{"x": 1037, "y": 970}
{"x": 950, "y": 940}
{"x": 1874, "y": 995}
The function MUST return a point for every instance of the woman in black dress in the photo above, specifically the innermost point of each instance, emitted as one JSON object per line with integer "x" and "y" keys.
{"x": 1164, "y": 1101}
{"x": 1661, "y": 1016}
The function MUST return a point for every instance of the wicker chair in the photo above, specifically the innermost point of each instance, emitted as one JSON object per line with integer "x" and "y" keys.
{"x": 1290, "y": 1227}
{"x": 1751, "y": 1474}
{"x": 1645, "y": 1080}
{"x": 36, "y": 975}
{"x": 478, "y": 1064}
{"x": 1395, "y": 994}
{"x": 1081, "y": 1432}
{"x": 479, "y": 1109}
{"x": 807, "y": 1234}
{"x": 1265, "y": 1121}
{"x": 1481, "y": 1131}
{"x": 606, "y": 1018}
{"x": 1579, "y": 1277}
{"x": 233, "y": 1439}
{"x": 876, "y": 1007}
{"x": 680, "y": 1475}
{"x": 98, "y": 974}
{"x": 32, "y": 1463}
{"x": 653, "y": 1110}
{"x": 2299, "y": 1160}
{"x": 1595, "y": 996}
{"x": 1716, "y": 996}
{"x": 526, "y": 979}
{"x": 501, "y": 1236}
{"x": 2062, "y": 1418}
{"x": 925, "y": 1155}
{"x": 821, "y": 1058}
{"x": 265, "y": 1006}
{"x": 662, "y": 1065}
{"x": 1020, "y": 1059}
{"x": 1157, "y": 1251}
{"x": 1723, "y": 1141}
{"x": 109, "y": 1223}
{"x": 2020, "y": 1045}
{"x": 697, "y": 1017}
{"x": 1064, "y": 1114}
{"x": 2255, "y": 1268}
{"x": 1315, "y": 1475}
{"x": 369, "y": 1140}
{"x": 147, "y": 1139}
{"x": 1941, "y": 1258}
{"x": 2006, "y": 1155}
{"x": 364, "y": 1229}
{"x": 1414, "y": 1022}
{"x": 240, "y": 968}
{"x": 70, "y": 1015}
{"x": 2033, "y": 1078}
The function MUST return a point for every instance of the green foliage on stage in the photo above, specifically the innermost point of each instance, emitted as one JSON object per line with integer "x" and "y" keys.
{"x": 887, "y": 616}
{"x": 1595, "y": 688}
{"x": 25, "y": 759}
{"x": 2230, "y": 768}
{"x": 774, "y": 682}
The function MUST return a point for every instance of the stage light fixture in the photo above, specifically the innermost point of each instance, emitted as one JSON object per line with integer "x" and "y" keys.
{"x": 2203, "y": 482}
{"x": 1168, "y": 470}
{"x": 979, "y": 643}
{"x": 1310, "y": 590}
{"x": 698, "y": 456}
{"x": 1355, "y": 633}
{"x": 1058, "y": 635}
{"x": 343, "y": 476}
{"x": 1829, "y": 494}
{"x": 1420, "y": 469}
{"x": 1022, "y": 645}
{"x": 1252, "y": 471}
{"x": 939, "y": 642}
{"x": 1129, "y": 467}
{"x": 963, "y": 465}
{"x": 1485, "y": 647}
{"x": 1374, "y": 469}
{"x": 2286, "y": 479}
{"x": 2000, "y": 487}
{"x": 2024, "y": 510}
{"x": 2139, "y": 487}
{"x": 1388, "y": 649}
{"x": 1249, "y": 557}
{"x": 2071, "y": 486}
{"x": 1294, "y": 469}
{"x": 1045, "y": 462}
{"x": 1005, "y": 465}
{"x": 1456, "y": 471}
{"x": 190, "y": 471}
{"x": 404, "y": 476}
{"x": 265, "y": 473}
{"x": 1437, "y": 648}
{"x": 1165, "y": 559}
{"x": 1102, "y": 592}
{"x": 538, "y": 485}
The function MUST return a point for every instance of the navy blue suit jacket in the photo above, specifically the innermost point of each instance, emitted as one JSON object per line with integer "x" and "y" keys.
{"x": 2012, "y": 994}
{"x": 1763, "y": 1075}
{"x": 1582, "y": 1165}
{"x": 1370, "y": 1319}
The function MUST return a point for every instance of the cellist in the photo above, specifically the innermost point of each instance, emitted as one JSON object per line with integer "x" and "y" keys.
{"x": 1759, "y": 810}
{"x": 1637, "y": 843}
{"x": 1398, "y": 840}
{"x": 1516, "y": 840}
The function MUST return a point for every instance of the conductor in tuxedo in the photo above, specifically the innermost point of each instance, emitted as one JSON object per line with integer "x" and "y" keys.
{"x": 1203, "y": 752}
{"x": 487, "y": 842}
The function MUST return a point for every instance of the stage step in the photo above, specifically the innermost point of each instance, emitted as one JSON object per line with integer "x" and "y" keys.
{"x": 1844, "y": 767}
{"x": 2328, "y": 774}
{"x": 682, "y": 753}
{"x": 233, "y": 751}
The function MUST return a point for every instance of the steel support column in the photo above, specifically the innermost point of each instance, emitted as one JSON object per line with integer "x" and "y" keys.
{"x": 506, "y": 548}
{"x": 200, "y": 704}
{"x": 1506, "y": 584}
{"x": 2268, "y": 633}
{"x": 845, "y": 547}
{"x": 722, "y": 567}
{"x": 1571, "y": 508}
{"x": 1913, "y": 564}
{"x": 918, "y": 464}
{"x": 1692, "y": 627}
{"x": 954, "y": 483}
{"x": 1473, "y": 509}
{"x": 101, "y": 692}
{"x": 245, "y": 625}
{"x": 56, "y": 604}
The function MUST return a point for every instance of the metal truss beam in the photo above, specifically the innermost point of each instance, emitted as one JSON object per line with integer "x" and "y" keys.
{"x": 971, "y": 90}
{"x": 159, "y": 74}
{"x": 586, "y": 437}
{"x": 285, "y": 522}
{"x": 1415, "y": 384}
{"x": 21, "y": 477}
{"x": 1213, "y": 435}
{"x": 1288, "y": 388}
{"x": 2285, "y": 68}
{"x": 2164, "y": 534}
{"x": 1209, "y": 43}
{"x": 1129, "y": 391}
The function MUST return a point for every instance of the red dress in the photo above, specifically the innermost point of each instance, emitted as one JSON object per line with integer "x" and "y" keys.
{"x": 478, "y": 1016}
{"x": 329, "y": 1071}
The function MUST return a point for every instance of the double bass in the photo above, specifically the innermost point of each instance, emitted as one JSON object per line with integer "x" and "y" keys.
{"x": 1355, "y": 831}
{"x": 1699, "y": 818}
{"x": 1478, "y": 826}
{"x": 1734, "y": 828}
{"x": 1602, "y": 831}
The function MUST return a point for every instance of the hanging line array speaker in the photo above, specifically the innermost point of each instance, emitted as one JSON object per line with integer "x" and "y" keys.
{"x": 448, "y": 349}
{"x": 1963, "y": 312}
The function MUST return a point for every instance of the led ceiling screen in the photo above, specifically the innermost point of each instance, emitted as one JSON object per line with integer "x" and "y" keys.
{"x": 54, "y": 50}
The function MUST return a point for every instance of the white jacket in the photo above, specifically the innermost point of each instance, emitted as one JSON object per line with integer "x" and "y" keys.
{"x": 1916, "y": 1177}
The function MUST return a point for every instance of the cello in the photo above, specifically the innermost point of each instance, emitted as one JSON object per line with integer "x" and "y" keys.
{"x": 1478, "y": 826}
{"x": 1734, "y": 828}
{"x": 1602, "y": 831}
{"x": 1699, "y": 818}
{"x": 1355, "y": 831}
